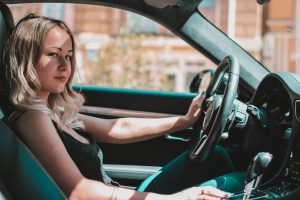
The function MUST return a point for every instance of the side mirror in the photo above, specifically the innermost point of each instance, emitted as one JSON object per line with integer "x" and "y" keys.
{"x": 201, "y": 80}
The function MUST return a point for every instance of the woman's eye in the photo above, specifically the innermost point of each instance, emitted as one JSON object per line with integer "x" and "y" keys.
{"x": 52, "y": 54}
{"x": 68, "y": 58}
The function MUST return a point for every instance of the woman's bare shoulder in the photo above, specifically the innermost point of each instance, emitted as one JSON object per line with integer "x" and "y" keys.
{"x": 32, "y": 119}
{"x": 34, "y": 115}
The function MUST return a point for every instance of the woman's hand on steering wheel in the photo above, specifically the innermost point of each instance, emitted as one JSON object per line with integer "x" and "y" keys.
{"x": 194, "y": 110}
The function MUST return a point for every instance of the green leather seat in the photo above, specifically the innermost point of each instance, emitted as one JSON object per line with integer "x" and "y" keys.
{"x": 22, "y": 177}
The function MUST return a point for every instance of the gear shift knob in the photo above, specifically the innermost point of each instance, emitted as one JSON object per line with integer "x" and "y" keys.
{"x": 258, "y": 165}
{"x": 255, "y": 172}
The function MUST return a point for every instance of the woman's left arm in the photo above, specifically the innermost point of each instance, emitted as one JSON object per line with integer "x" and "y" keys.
{"x": 127, "y": 130}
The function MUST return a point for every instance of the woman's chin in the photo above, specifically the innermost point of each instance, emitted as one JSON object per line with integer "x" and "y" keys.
{"x": 58, "y": 90}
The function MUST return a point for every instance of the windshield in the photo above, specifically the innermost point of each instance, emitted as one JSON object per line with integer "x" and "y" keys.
{"x": 270, "y": 32}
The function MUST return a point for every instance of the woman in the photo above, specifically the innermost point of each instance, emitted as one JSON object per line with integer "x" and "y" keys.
{"x": 40, "y": 64}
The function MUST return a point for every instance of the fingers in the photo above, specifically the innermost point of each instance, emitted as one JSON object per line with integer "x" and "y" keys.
{"x": 207, "y": 197}
{"x": 214, "y": 192}
{"x": 202, "y": 92}
{"x": 194, "y": 109}
{"x": 203, "y": 193}
{"x": 199, "y": 99}
{"x": 208, "y": 193}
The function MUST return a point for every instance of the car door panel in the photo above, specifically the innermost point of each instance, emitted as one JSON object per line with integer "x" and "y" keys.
{"x": 117, "y": 102}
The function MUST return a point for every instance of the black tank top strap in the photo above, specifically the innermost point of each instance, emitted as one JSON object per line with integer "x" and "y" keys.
{"x": 80, "y": 132}
{"x": 14, "y": 117}
{"x": 85, "y": 134}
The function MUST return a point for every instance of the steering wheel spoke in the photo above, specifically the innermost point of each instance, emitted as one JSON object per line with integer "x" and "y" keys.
{"x": 199, "y": 145}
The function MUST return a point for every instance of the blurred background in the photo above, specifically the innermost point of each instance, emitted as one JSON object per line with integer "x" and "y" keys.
{"x": 117, "y": 48}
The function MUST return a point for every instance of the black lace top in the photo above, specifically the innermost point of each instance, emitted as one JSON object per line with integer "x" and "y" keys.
{"x": 87, "y": 157}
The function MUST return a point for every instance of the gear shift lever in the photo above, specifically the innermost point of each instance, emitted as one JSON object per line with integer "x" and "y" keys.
{"x": 255, "y": 172}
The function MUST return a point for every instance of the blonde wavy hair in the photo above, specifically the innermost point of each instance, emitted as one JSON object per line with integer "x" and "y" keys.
{"x": 21, "y": 54}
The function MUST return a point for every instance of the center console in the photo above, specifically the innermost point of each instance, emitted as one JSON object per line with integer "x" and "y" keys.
{"x": 288, "y": 182}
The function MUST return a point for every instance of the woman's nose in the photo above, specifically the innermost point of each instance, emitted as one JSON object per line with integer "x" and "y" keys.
{"x": 63, "y": 63}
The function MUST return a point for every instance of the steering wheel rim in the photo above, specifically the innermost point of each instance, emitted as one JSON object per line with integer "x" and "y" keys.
{"x": 215, "y": 123}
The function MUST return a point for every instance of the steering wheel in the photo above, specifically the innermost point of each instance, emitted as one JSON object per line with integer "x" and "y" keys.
{"x": 215, "y": 109}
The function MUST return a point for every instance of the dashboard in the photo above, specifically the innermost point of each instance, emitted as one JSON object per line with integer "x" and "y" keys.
{"x": 278, "y": 100}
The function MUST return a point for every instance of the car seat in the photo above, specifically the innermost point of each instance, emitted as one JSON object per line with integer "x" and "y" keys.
{"x": 22, "y": 176}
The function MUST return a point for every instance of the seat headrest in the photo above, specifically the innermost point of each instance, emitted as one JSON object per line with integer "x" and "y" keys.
{"x": 6, "y": 27}
{"x": 6, "y": 23}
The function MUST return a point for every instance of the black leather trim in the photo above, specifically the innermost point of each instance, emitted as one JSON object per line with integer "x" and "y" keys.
{"x": 7, "y": 26}
{"x": 9, "y": 20}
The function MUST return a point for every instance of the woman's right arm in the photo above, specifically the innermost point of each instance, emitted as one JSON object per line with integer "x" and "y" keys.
{"x": 41, "y": 137}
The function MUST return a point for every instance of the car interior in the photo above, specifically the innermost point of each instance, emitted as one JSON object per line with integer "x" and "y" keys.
{"x": 261, "y": 135}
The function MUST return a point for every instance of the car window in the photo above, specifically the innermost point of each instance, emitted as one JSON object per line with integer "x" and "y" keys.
{"x": 270, "y": 32}
{"x": 117, "y": 48}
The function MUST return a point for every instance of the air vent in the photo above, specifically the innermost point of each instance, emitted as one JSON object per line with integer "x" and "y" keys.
{"x": 297, "y": 109}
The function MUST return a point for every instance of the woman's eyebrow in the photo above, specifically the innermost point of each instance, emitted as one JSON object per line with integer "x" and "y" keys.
{"x": 60, "y": 49}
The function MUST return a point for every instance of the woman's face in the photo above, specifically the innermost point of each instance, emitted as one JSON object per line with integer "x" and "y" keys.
{"x": 54, "y": 66}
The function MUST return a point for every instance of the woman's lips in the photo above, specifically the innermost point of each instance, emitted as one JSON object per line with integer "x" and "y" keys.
{"x": 61, "y": 78}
